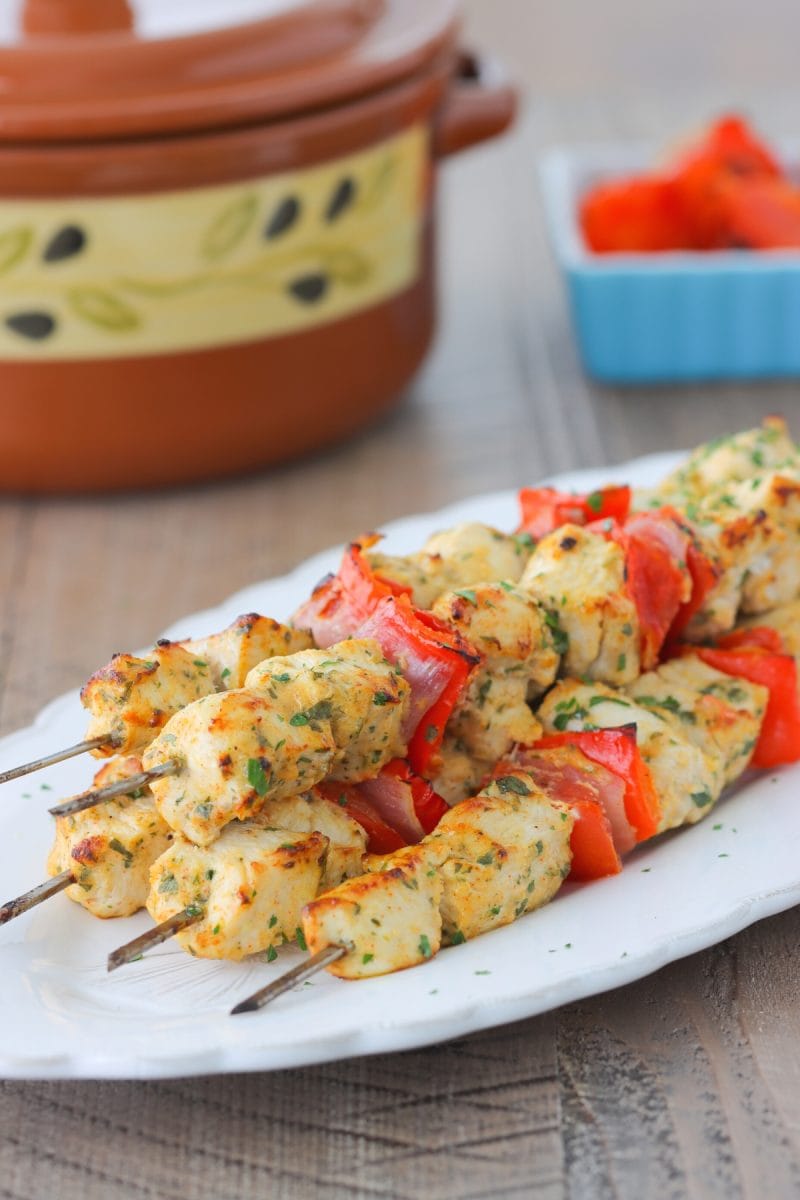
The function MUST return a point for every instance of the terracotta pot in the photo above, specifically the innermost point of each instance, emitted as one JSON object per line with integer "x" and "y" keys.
{"x": 217, "y": 248}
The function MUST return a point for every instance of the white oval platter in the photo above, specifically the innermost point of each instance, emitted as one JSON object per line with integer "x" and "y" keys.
{"x": 64, "y": 1017}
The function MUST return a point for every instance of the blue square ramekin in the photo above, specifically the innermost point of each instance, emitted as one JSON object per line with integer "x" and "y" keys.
{"x": 661, "y": 318}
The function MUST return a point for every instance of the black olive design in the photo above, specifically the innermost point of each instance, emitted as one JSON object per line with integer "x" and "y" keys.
{"x": 284, "y": 217}
{"x": 32, "y": 325}
{"x": 66, "y": 243}
{"x": 310, "y": 288}
{"x": 343, "y": 196}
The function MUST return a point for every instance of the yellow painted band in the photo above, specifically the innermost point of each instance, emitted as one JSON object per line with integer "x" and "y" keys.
{"x": 129, "y": 275}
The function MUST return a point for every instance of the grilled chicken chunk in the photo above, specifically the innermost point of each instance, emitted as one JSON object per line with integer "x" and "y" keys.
{"x": 353, "y": 687}
{"x": 724, "y": 461}
{"x": 490, "y": 860}
{"x": 708, "y": 707}
{"x": 752, "y": 528}
{"x": 131, "y": 698}
{"x": 507, "y": 854}
{"x": 455, "y": 558}
{"x": 520, "y": 662}
{"x": 111, "y": 848}
{"x": 578, "y": 576}
{"x": 248, "y": 889}
{"x": 337, "y": 712}
{"x": 312, "y": 813}
{"x": 233, "y": 653}
{"x": 687, "y": 777}
{"x": 387, "y": 919}
{"x": 458, "y": 774}
{"x": 234, "y": 749}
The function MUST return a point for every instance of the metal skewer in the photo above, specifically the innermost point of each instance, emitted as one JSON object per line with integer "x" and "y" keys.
{"x": 58, "y": 756}
{"x": 304, "y": 970}
{"x": 43, "y": 891}
{"x": 123, "y": 787}
{"x": 132, "y": 951}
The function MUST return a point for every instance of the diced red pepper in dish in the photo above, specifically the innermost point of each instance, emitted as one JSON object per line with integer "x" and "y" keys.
{"x": 760, "y": 214}
{"x": 545, "y": 509}
{"x": 715, "y": 191}
{"x": 633, "y": 215}
{"x": 616, "y": 749}
{"x": 705, "y": 175}
{"x": 779, "y": 739}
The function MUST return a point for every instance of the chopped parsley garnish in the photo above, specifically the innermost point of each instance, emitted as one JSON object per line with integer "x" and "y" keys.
{"x": 116, "y": 845}
{"x": 381, "y": 698}
{"x": 467, "y": 594}
{"x": 424, "y": 946}
{"x": 301, "y": 938}
{"x": 256, "y": 776}
{"x": 168, "y": 884}
{"x": 272, "y": 954}
{"x": 701, "y": 799}
{"x": 560, "y": 637}
{"x": 595, "y": 501}
{"x": 511, "y": 783}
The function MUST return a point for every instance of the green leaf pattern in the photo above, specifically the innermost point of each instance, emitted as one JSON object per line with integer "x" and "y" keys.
{"x": 106, "y": 309}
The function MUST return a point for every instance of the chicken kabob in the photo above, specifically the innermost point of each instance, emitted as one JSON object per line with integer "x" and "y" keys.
{"x": 121, "y": 696}
{"x": 343, "y": 711}
{"x": 343, "y": 714}
{"x": 725, "y": 715}
{"x": 131, "y": 698}
{"x": 499, "y": 855}
{"x": 473, "y": 550}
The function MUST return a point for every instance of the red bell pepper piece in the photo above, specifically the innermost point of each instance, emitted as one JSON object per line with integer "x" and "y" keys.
{"x": 760, "y": 214}
{"x": 616, "y": 749}
{"x": 436, "y": 661}
{"x": 641, "y": 214}
{"x": 656, "y": 575}
{"x": 429, "y": 806}
{"x": 704, "y": 574}
{"x": 594, "y": 854}
{"x": 545, "y": 509}
{"x": 728, "y": 155}
{"x": 779, "y": 740}
{"x": 594, "y": 796}
{"x": 757, "y": 637}
{"x": 382, "y": 838}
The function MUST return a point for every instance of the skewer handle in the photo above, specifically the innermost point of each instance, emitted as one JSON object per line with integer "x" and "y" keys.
{"x": 51, "y": 887}
{"x": 49, "y": 760}
{"x": 299, "y": 974}
{"x": 111, "y": 790}
{"x": 134, "y": 950}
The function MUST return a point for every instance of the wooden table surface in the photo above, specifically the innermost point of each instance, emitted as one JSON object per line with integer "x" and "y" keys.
{"x": 684, "y": 1084}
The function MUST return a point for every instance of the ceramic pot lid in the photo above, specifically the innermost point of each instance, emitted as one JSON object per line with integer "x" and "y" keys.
{"x": 96, "y": 69}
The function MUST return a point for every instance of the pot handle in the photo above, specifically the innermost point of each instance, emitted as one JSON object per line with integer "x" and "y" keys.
{"x": 480, "y": 105}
